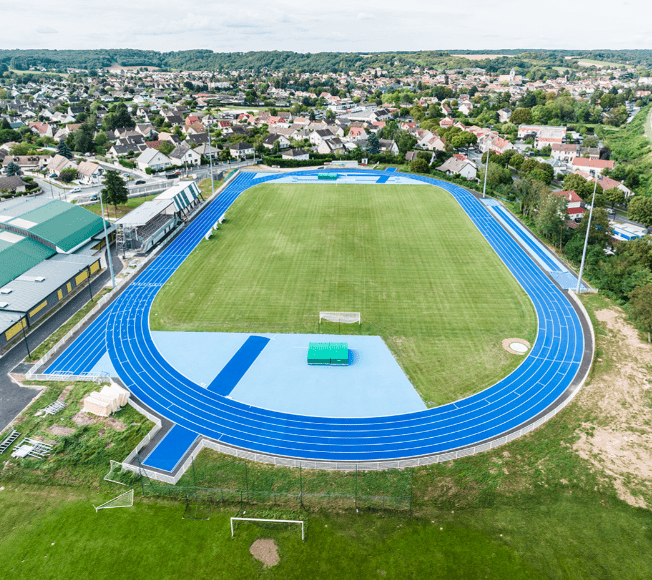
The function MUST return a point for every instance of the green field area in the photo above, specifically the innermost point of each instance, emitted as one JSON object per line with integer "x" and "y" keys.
{"x": 406, "y": 257}
{"x": 55, "y": 534}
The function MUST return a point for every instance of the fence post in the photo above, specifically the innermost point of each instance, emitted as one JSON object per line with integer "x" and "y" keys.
{"x": 246, "y": 479}
{"x": 142, "y": 484}
{"x": 300, "y": 487}
{"x": 355, "y": 499}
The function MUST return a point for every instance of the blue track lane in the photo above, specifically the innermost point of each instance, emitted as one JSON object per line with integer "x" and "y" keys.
{"x": 543, "y": 376}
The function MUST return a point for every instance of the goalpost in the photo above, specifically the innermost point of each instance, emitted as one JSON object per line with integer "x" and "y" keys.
{"x": 125, "y": 499}
{"x": 268, "y": 520}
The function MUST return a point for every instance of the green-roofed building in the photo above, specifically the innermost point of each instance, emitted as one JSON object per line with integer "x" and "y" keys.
{"x": 19, "y": 254}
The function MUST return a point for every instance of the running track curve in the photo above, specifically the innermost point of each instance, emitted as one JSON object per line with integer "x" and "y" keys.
{"x": 545, "y": 374}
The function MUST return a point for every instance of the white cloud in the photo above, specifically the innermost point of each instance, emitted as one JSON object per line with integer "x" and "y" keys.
{"x": 167, "y": 25}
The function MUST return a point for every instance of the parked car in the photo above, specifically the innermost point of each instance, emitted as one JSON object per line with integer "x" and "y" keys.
{"x": 140, "y": 182}
{"x": 76, "y": 190}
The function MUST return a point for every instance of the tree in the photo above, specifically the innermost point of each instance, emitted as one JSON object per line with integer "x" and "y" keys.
{"x": 64, "y": 150}
{"x": 521, "y": 116}
{"x": 552, "y": 215}
{"x": 640, "y": 209}
{"x": 614, "y": 196}
{"x": 68, "y": 174}
{"x": 600, "y": 229}
{"x": 640, "y": 307}
{"x": 373, "y": 146}
{"x": 166, "y": 147}
{"x": 12, "y": 169}
{"x": 84, "y": 139}
{"x": 529, "y": 192}
{"x": 224, "y": 155}
{"x": 115, "y": 189}
{"x": 419, "y": 166}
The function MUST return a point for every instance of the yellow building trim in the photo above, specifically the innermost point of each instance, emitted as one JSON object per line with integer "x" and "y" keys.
{"x": 15, "y": 329}
{"x": 40, "y": 307}
{"x": 95, "y": 267}
{"x": 59, "y": 294}
{"x": 69, "y": 287}
{"x": 81, "y": 277}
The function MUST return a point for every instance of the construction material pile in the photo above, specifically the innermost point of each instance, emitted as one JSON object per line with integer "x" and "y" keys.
{"x": 111, "y": 398}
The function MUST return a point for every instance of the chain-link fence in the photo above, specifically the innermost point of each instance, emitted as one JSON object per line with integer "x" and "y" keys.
{"x": 211, "y": 480}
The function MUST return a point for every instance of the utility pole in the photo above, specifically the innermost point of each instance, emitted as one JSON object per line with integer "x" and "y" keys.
{"x": 486, "y": 172}
{"x": 586, "y": 240}
{"x": 210, "y": 160}
{"x": 24, "y": 324}
{"x": 106, "y": 240}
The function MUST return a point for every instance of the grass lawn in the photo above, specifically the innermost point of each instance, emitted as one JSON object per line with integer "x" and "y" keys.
{"x": 109, "y": 210}
{"x": 54, "y": 533}
{"x": 407, "y": 257}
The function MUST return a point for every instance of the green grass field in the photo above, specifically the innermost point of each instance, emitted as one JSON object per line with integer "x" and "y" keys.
{"x": 54, "y": 533}
{"x": 407, "y": 257}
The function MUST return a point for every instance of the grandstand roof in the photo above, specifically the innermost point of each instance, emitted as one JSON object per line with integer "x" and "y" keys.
{"x": 144, "y": 213}
{"x": 63, "y": 225}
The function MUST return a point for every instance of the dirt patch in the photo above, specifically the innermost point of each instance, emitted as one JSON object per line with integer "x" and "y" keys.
{"x": 618, "y": 441}
{"x": 83, "y": 418}
{"x": 64, "y": 394}
{"x": 265, "y": 551}
{"x": 60, "y": 430}
{"x": 114, "y": 424}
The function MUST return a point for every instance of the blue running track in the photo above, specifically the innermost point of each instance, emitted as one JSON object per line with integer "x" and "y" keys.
{"x": 235, "y": 369}
{"x": 537, "y": 383}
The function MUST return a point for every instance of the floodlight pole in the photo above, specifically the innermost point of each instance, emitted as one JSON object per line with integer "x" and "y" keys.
{"x": 106, "y": 239}
{"x": 23, "y": 324}
{"x": 210, "y": 160}
{"x": 486, "y": 171}
{"x": 586, "y": 240}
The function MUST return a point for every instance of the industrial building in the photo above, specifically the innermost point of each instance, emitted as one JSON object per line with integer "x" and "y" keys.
{"x": 48, "y": 248}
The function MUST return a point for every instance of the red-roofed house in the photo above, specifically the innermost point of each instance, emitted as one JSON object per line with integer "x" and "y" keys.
{"x": 500, "y": 145}
{"x": 191, "y": 119}
{"x": 592, "y": 166}
{"x": 42, "y": 129}
{"x": 608, "y": 183}
{"x": 446, "y": 122}
{"x": 575, "y": 204}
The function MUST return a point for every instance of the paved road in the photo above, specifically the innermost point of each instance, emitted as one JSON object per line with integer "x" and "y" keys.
{"x": 13, "y": 399}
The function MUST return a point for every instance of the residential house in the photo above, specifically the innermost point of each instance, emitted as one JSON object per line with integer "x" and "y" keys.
{"x": 58, "y": 163}
{"x": 446, "y": 122}
{"x": 197, "y": 139}
{"x": 609, "y": 183}
{"x": 13, "y": 183}
{"x": 153, "y": 159}
{"x": 504, "y": 115}
{"x": 357, "y": 134}
{"x": 316, "y": 137}
{"x": 184, "y": 155}
{"x": 241, "y": 150}
{"x": 89, "y": 172}
{"x": 42, "y": 129}
{"x": 298, "y": 154}
{"x": 272, "y": 139}
{"x": 575, "y": 205}
{"x": 331, "y": 146}
{"x": 388, "y": 146}
{"x": 207, "y": 151}
{"x": 591, "y": 166}
{"x": 27, "y": 162}
{"x": 464, "y": 167}
{"x": 565, "y": 152}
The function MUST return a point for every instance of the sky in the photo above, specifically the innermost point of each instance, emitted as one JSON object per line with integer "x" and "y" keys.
{"x": 334, "y": 25}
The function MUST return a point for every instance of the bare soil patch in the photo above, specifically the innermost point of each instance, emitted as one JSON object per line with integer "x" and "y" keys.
{"x": 64, "y": 394}
{"x": 507, "y": 345}
{"x": 83, "y": 418}
{"x": 60, "y": 430}
{"x": 618, "y": 441}
{"x": 265, "y": 551}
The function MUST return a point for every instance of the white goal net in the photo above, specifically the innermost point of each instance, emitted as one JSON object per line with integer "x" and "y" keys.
{"x": 345, "y": 317}
{"x": 125, "y": 499}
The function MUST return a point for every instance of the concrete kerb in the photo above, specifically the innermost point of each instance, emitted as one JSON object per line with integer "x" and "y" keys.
{"x": 33, "y": 372}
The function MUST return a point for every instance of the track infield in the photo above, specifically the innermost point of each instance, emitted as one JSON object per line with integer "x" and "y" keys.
{"x": 406, "y": 256}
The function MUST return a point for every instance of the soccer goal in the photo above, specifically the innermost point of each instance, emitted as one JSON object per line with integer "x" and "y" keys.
{"x": 268, "y": 521}
{"x": 125, "y": 499}
{"x": 345, "y": 317}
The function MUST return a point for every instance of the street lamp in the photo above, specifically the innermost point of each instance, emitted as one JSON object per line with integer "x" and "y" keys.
{"x": 210, "y": 161}
{"x": 586, "y": 240}
{"x": 486, "y": 172}
{"x": 106, "y": 240}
